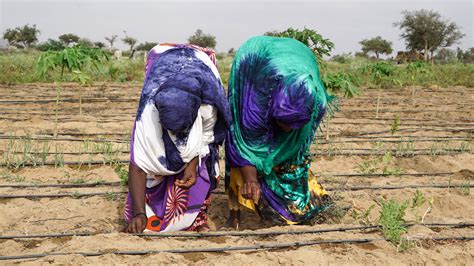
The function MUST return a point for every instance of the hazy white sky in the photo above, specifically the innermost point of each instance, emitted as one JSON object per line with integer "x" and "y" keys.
{"x": 232, "y": 22}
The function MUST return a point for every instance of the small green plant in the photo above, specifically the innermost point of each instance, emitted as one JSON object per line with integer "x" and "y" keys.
{"x": 78, "y": 181}
{"x": 370, "y": 166}
{"x": 380, "y": 164}
{"x": 111, "y": 196}
{"x": 405, "y": 148}
{"x": 122, "y": 174}
{"x": 12, "y": 178}
{"x": 392, "y": 220}
{"x": 386, "y": 168}
{"x": 363, "y": 216}
{"x": 58, "y": 157}
{"x": 417, "y": 201}
{"x": 395, "y": 125}
{"x": 466, "y": 188}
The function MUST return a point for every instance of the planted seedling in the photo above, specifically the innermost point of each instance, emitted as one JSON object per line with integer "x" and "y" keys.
{"x": 417, "y": 201}
{"x": 395, "y": 125}
{"x": 363, "y": 216}
{"x": 392, "y": 221}
{"x": 122, "y": 174}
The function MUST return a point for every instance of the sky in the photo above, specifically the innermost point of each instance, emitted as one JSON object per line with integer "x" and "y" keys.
{"x": 346, "y": 23}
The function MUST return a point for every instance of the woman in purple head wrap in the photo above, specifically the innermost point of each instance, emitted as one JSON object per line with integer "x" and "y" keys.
{"x": 182, "y": 117}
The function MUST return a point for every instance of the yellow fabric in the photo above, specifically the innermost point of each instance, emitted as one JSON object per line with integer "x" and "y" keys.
{"x": 236, "y": 183}
{"x": 236, "y": 200}
{"x": 314, "y": 186}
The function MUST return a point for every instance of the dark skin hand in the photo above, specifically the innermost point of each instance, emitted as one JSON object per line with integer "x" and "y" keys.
{"x": 136, "y": 186}
{"x": 251, "y": 187}
{"x": 189, "y": 175}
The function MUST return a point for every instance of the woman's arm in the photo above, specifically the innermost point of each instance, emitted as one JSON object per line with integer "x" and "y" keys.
{"x": 136, "y": 186}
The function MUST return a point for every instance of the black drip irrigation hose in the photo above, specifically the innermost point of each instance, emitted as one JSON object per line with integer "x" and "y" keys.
{"x": 85, "y": 163}
{"x": 219, "y": 192}
{"x": 69, "y": 100}
{"x": 401, "y": 118}
{"x": 334, "y": 153}
{"x": 471, "y": 130}
{"x": 321, "y": 151}
{"x": 382, "y": 138}
{"x": 51, "y": 138}
{"x": 394, "y": 140}
{"x": 320, "y": 140}
{"x": 96, "y": 184}
{"x": 241, "y": 234}
{"x": 257, "y": 247}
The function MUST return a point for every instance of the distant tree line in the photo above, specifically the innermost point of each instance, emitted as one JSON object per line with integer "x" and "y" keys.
{"x": 425, "y": 33}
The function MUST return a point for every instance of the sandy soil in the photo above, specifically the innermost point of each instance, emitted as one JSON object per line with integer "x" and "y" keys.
{"x": 437, "y": 126}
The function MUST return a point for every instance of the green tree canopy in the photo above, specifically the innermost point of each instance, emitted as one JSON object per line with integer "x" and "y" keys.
{"x": 317, "y": 43}
{"x": 130, "y": 41}
{"x": 426, "y": 30}
{"x": 202, "y": 39}
{"x": 99, "y": 44}
{"x": 377, "y": 46}
{"x": 146, "y": 46}
{"x": 69, "y": 38}
{"x": 445, "y": 56}
{"x": 50, "y": 45}
{"x": 111, "y": 40}
{"x": 22, "y": 36}
{"x": 467, "y": 57}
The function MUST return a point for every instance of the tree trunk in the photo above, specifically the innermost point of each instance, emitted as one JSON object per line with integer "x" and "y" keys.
{"x": 377, "y": 55}
{"x": 426, "y": 51}
{"x": 378, "y": 104}
{"x": 80, "y": 101}
{"x": 62, "y": 71}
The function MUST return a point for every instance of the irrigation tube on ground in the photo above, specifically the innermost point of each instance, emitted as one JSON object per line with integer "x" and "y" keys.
{"x": 116, "y": 183}
{"x": 353, "y": 188}
{"x": 227, "y": 248}
{"x": 241, "y": 234}
{"x": 335, "y": 153}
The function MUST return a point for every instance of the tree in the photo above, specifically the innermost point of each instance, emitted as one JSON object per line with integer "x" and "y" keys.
{"x": 130, "y": 41}
{"x": 99, "y": 45}
{"x": 111, "y": 40}
{"x": 85, "y": 42}
{"x": 22, "y": 37}
{"x": 69, "y": 38}
{"x": 50, "y": 45}
{"x": 445, "y": 56}
{"x": 377, "y": 46}
{"x": 319, "y": 45}
{"x": 75, "y": 59}
{"x": 201, "y": 39}
{"x": 466, "y": 57}
{"x": 426, "y": 30}
{"x": 146, "y": 46}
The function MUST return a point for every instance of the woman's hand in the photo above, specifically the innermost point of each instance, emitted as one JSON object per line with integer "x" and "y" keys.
{"x": 137, "y": 225}
{"x": 189, "y": 175}
{"x": 136, "y": 186}
{"x": 251, "y": 187}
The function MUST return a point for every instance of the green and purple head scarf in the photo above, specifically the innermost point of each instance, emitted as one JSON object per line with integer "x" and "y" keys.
{"x": 275, "y": 80}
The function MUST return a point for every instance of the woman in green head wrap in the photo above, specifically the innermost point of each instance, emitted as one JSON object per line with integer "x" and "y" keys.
{"x": 277, "y": 101}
